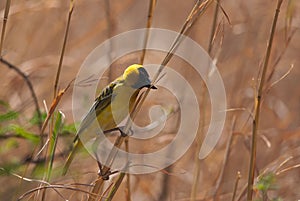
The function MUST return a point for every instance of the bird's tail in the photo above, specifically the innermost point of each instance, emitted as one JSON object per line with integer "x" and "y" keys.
{"x": 76, "y": 147}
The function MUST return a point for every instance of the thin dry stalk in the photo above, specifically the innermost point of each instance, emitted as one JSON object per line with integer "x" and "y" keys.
{"x": 199, "y": 141}
{"x": 53, "y": 106}
{"x": 227, "y": 152}
{"x": 51, "y": 187}
{"x": 127, "y": 190}
{"x": 109, "y": 22}
{"x": 49, "y": 159}
{"x": 199, "y": 8}
{"x": 63, "y": 48}
{"x": 242, "y": 193}
{"x": 288, "y": 169}
{"x": 258, "y": 105}
{"x": 202, "y": 122}
{"x": 281, "y": 161}
{"x": 55, "y": 91}
{"x": 152, "y": 4}
{"x": 22, "y": 178}
{"x": 288, "y": 40}
{"x": 5, "y": 18}
{"x": 290, "y": 10}
{"x": 244, "y": 189}
{"x": 116, "y": 185}
{"x": 166, "y": 180}
{"x": 29, "y": 84}
{"x": 214, "y": 26}
{"x": 281, "y": 78}
{"x": 96, "y": 189}
{"x": 236, "y": 184}
{"x": 105, "y": 171}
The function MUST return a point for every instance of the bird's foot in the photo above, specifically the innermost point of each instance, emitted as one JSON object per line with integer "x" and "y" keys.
{"x": 106, "y": 174}
{"x": 121, "y": 130}
{"x": 123, "y": 134}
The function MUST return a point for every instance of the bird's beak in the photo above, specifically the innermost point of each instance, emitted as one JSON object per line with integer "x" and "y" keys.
{"x": 146, "y": 83}
{"x": 151, "y": 86}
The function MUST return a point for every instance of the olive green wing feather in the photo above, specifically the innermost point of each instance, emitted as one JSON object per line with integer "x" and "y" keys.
{"x": 101, "y": 102}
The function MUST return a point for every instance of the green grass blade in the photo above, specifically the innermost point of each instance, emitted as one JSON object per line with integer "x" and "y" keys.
{"x": 53, "y": 141}
{"x": 8, "y": 116}
{"x": 22, "y": 132}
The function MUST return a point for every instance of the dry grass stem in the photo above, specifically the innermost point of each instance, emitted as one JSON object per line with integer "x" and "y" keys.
{"x": 116, "y": 186}
{"x": 236, "y": 184}
{"x": 29, "y": 84}
{"x": 281, "y": 78}
{"x": 110, "y": 25}
{"x": 152, "y": 4}
{"x": 258, "y": 105}
{"x": 281, "y": 55}
{"x": 5, "y": 18}
{"x": 227, "y": 152}
{"x": 288, "y": 169}
{"x": 204, "y": 102}
{"x": 63, "y": 48}
{"x": 52, "y": 187}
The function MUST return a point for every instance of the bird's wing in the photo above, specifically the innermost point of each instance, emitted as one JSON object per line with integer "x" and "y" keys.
{"x": 101, "y": 102}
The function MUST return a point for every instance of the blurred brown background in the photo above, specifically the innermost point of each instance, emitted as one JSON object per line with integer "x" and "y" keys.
{"x": 33, "y": 42}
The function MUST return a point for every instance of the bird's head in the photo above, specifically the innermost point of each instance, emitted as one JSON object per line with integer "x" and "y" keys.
{"x": 137, "y": 77}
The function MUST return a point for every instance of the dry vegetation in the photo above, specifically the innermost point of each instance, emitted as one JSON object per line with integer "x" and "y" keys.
{"x": 33, "y": 42}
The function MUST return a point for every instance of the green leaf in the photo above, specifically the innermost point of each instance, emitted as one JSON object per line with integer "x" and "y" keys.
{"x": 10, "y": 115}
{"x": 266, "y": 182}
{"x": 35, "y": 119}
{"x": 69, "y": 128}
{"x": 24, "y": 134}
{"x": 58, "y": 124}
{"x": 53, "y": 140}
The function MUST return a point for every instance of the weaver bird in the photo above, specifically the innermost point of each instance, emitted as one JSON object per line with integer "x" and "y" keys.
{"x": 112, "y": 106}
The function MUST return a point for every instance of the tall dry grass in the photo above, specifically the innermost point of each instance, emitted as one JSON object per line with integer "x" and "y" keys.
{"x": 31, "y": 49}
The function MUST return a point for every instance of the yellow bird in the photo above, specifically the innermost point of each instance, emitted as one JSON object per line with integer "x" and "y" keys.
{"x": 113, "y": 105}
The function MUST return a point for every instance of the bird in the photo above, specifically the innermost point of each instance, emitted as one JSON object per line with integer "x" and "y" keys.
{"x": 112, "y": 106}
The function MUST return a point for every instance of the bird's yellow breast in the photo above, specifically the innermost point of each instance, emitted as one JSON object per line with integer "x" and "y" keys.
{"x": 122, "y": 103}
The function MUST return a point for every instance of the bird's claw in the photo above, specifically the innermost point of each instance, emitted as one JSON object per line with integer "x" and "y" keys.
{"x": 123, "y": 134}
{"x": 106, "y": 175}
